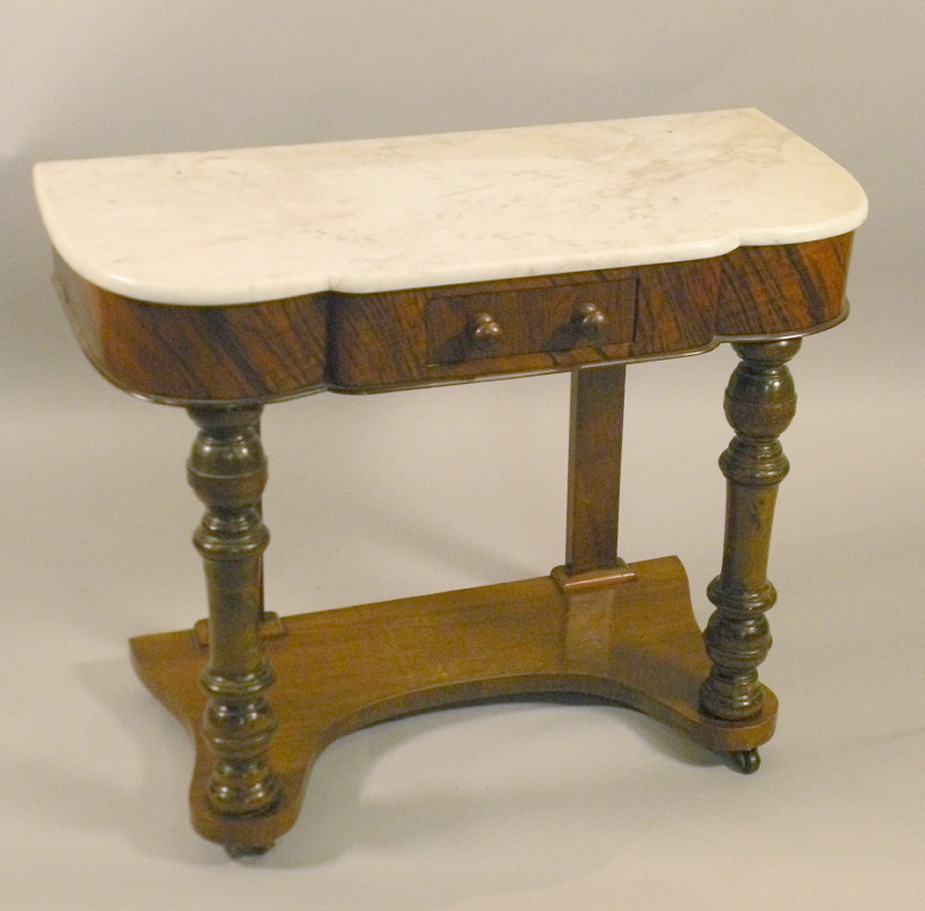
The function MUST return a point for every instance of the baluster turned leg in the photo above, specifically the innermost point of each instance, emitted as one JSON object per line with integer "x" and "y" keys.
{"x": 760, "y": 403}
{"x": 228, "y": 471}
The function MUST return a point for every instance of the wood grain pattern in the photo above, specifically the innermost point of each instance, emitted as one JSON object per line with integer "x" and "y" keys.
{"x": 265, "y": 352}
{"x": 665, "y": 328}
{"x": 783, "y": 290}
{"x": 633, "y": 643}
{"x": 188, "y": 355}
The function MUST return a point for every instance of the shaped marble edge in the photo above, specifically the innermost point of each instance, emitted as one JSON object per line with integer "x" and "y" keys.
{"x": 366, "y": 216}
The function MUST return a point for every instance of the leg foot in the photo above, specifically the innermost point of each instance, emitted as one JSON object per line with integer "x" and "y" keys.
{"x": 236, "y": 852}
{"x": 746, "y": 761}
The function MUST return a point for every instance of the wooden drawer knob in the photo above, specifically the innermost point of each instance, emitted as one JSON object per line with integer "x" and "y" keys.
{"x": 484, "y": 329}
{"x": 590, "y": 319}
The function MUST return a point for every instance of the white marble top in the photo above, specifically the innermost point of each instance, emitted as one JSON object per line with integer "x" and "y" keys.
{"x": 251, "y": 225}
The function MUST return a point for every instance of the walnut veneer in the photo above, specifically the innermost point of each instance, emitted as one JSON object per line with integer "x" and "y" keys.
{"x": 272, "y": 350}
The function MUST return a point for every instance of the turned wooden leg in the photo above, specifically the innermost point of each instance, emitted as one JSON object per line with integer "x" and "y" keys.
{"x": 227, "y": 469}
{"x": 760, "y": 403}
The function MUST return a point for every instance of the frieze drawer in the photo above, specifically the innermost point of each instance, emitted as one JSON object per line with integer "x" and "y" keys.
{"x": 464, "y": 327}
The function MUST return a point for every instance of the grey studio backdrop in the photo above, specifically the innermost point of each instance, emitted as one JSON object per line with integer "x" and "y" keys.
{"x": 520, "y": 806}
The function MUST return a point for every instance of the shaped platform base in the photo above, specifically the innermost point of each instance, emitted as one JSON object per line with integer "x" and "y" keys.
{"x": 633, "y": 641}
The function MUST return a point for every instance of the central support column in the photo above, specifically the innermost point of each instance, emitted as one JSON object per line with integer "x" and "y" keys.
{"x": 595, "y": 450}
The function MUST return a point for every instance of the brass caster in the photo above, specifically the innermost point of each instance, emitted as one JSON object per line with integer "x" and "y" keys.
{"x": 238, "y": 851}
{"x": 746, "y": 761}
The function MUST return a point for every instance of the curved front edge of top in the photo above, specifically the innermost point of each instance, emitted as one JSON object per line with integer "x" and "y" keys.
{"x": 271, "y": 351}
{"x": 241, "y": 226}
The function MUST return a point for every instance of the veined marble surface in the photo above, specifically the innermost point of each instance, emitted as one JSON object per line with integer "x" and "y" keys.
{"x": 252, "y": 225}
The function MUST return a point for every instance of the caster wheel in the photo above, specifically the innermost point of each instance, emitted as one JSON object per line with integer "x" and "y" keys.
{"x": 746, "y": 761}
{"x": 239, "y": 851}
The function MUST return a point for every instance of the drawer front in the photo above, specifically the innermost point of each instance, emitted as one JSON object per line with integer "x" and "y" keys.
{"x": 466, "y": 327}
